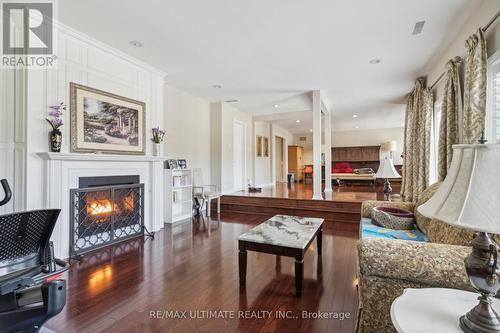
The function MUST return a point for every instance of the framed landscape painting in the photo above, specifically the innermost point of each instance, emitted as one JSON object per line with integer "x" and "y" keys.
{"x": 105, "y": 122}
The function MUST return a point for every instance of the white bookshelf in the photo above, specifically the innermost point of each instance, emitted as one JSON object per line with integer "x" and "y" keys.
{"x": 178, "y": 194}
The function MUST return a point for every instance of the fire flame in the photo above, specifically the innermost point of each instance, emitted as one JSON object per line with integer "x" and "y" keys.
{"x": 102, "y": 208}
{"x": 99, "y": 207}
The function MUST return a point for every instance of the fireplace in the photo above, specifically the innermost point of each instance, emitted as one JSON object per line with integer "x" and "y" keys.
{"x": 105, "y": 210}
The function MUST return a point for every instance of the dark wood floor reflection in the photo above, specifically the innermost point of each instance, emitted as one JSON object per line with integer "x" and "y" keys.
{"x": 194, "y": 267}
{"x": 344, "y": 193}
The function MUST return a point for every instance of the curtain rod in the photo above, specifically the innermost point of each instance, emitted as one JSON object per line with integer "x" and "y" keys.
{"x": 457, "y": 59}
{"x": 486, "y": 27}
{"x": 493, "y": 19}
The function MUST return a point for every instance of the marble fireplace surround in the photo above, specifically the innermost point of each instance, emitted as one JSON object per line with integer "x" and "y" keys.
{"x": 63, "y": 170}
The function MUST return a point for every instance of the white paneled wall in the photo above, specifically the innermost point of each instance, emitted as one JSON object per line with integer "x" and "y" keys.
{"x": 13, "y": 136}
{"x": 86, "y": 61}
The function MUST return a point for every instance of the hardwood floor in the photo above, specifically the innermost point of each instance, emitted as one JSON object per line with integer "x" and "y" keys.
{"x": 295, "y": 199}
{"x": 194, "y": 267}
{"x": 344, "y": 193}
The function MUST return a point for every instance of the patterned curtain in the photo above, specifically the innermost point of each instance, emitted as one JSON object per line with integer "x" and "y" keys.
{"x": 417, "y": 141}
{"x": 475, "y": 87}
{"x": 450, "y": 109}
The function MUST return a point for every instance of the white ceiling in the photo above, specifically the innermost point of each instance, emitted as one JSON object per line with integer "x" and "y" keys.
{"x": 273, "y": 52}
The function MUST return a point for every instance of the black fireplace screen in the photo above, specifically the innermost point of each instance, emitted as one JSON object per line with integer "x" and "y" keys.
{"x": 103, "y": 215}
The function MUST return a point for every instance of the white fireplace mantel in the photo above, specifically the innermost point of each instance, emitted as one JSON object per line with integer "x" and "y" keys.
{"x": 98, "y": 157}
{"x": 63, "y": 171}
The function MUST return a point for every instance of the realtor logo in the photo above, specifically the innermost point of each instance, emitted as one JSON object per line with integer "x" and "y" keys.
{"x": 28, "y": 34}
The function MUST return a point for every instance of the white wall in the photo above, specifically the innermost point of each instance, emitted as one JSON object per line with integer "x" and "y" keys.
{"x": 355, "y": 138}
{"x": 262, "y": 169}
{"x": 187, "y": 125}
{"x": 223, "y": 117}
{"x": 13, "y": 137}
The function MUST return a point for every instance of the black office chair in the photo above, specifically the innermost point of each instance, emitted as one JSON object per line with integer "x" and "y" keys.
{"x": 30, "y": 289}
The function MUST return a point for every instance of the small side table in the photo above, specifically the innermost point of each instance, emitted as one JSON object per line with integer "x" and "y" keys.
{"x": 433, "y": 309}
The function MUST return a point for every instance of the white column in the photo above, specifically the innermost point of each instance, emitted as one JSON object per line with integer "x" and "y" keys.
{"x": 316, "y": 99}
{"x": 328, "y": 154}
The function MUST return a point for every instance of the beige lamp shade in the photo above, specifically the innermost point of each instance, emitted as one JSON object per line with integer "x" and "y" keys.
{"x": 386, "y": 169}
{"x": 390, "y": 146}
{"x": 470, "y": 194}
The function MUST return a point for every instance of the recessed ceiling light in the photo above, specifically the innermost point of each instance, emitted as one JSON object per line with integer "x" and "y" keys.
{"x": 135, "y": 43}
{"x": 276, "y": 105}
{"x": 217, "y": 86}
{"x": 310, "y": 130}
{"x": 375, "y": 61}
{"x": 232, "y": 100}
{"x": 357, "y": 127}
{"x": 297, "y": 121}
{"x": 355, "y": 116}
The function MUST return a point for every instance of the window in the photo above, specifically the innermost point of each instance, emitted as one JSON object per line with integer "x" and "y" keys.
{"x": 493, "y": 108}
{"x": 433, "y": 159}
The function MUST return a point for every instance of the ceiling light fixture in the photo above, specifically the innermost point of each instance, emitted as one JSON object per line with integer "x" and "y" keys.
{"x": 135, "y": 43}
{"x": 217, "y": 86}
{"x": 297, "y": 121}
{"x": 375, "y": 61}
{"x": 355, "y": 116}
{"x": 357, "y": 127}
{"x": 232, "y": 100}
{"x": 417, "y": 29}
{"x": 310, "y": 130}
{"x": 276, "y": 105}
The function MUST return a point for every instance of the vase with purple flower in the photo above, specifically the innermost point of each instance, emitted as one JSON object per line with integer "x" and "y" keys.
{"x": 158, "y": 135}
{"x": 56, "y": 121}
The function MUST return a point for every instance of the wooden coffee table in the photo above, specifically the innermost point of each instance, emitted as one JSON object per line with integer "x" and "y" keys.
{"x": 281, "y": 235}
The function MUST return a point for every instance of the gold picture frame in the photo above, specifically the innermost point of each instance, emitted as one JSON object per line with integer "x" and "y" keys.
{"x": 265, "y": 146}
{"x": 258, "y": 145}
{"x": 105, "y": 122}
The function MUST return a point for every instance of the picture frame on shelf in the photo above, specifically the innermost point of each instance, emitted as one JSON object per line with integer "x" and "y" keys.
{"x": 105, "y": 122}
{"x": 171, "y": 164}
{"x": 182, "y": 164}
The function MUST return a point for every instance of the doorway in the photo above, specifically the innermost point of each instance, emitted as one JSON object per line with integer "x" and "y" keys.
{"x": 239, "y": 160}
{"x": 279, "y": 159}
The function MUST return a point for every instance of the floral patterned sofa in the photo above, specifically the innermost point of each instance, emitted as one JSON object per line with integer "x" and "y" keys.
{"x": 388, "y": 266}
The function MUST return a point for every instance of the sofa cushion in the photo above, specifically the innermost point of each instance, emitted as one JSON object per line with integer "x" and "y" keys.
{"x": 370, "y": 230}
{"x": 437, "y": 265}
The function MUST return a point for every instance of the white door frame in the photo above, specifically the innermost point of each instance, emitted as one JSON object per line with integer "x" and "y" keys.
{"x": 244, "y": 134}
{"x": 285, "y": 158}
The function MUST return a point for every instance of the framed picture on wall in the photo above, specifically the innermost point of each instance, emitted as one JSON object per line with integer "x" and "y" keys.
{"x": 265, "y": 146}
{"x": 105, "y": 122}
{"x": 258, "y": 145}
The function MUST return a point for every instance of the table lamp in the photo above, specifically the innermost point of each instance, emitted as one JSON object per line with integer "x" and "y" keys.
{"x": 469, "y": 197}
{"x": 386, "y": 170}
{"x": 390, "y": 146}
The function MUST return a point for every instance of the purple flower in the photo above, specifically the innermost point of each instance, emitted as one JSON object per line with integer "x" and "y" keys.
{"x": 56, "y": 114}
{"x": 158, "y": 134}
